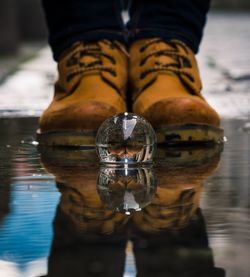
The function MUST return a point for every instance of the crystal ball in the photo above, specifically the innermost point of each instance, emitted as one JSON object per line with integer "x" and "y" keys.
{"x": 126, "y": 189}
{"x": 126, "y": 138}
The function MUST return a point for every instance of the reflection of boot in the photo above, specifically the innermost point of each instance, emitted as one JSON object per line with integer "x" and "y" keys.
{"x": 179, "y": 187}
{"x": 80, "y": 201}
{"x": 91, "y": 88}
{"x": 126, "y": 189}
{"x": 176, "y": 253}
{"x": 166, "y": 88}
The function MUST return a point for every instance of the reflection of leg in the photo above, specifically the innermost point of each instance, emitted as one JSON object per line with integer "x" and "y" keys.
{"x": 164, "y": 76}
{"x": 4, "y": 201}
{"x": 78, "y": 254}
{"x": 7, "y": 169}
{"x": 176, "y": 253}
{"x": 169, "y": 19}
{"x": 71, "y": 21}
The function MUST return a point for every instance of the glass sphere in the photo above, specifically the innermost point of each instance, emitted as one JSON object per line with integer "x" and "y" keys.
{"x": 126, "y": 189}
{"x": 126, "y": 138}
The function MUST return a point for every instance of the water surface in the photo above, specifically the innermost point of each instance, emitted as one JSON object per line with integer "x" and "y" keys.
{"x": 63, "y": 215}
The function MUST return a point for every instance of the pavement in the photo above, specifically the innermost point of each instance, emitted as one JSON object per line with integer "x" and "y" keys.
{"x": 224, "y": 60}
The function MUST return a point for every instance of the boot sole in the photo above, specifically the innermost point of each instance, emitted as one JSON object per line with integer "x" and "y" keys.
{"x": 188, "y": 156}
{"x": 67, "y": 139}
{"x": 189, "y": 134}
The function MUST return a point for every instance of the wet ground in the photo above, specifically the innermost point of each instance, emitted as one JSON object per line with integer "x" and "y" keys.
{"x": 63, "y": 215}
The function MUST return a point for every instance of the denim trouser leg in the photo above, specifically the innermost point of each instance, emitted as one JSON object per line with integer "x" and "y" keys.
{"x": 73, "y": 20}
{"x": 169, "y": 19}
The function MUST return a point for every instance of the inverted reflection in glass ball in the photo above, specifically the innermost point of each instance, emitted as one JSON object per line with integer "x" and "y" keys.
{"x": 126, "y": 189}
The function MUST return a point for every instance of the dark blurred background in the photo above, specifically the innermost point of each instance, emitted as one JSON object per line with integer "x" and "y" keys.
{"x": 23, "y": 21}
{"x": 20, "y": 21}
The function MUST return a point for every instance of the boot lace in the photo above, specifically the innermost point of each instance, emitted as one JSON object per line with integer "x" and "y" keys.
{"x": 180, "y": 62}
{"x": 76, "y": 63}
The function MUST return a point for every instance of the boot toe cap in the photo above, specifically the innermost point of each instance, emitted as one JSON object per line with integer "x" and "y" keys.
{"x": 87, "y": 116}
{"x": 179, "y": 111}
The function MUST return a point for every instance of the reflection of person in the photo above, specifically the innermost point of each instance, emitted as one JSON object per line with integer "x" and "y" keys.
{"x": 4, "y": 202}
{"x": 85, "y": 253}
{"x": 168, "y": 234}
{"x": 5, "y": 178}
{"x": 98, "y": 56}
{"x": 175, "y": 253}
{"x": 89, "y": 240}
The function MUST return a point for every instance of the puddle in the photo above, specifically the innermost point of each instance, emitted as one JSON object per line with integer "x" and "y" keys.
{"x": 63, "y": 215}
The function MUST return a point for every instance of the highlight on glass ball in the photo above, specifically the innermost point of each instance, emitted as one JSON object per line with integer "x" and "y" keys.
{"x": 126, "y": 189}
{"x": 126, "y": 138}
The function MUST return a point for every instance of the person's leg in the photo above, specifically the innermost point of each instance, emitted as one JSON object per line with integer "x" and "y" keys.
{"x": 87, "y": 40}
{"x": 82, "y": 20}
{"x": 163, "y": 72}
{"x": 169, "y": 19}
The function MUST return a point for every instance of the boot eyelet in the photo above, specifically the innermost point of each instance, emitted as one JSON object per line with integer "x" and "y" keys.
{"x": 142, "y": 76}
{"x": 142, "y": 49}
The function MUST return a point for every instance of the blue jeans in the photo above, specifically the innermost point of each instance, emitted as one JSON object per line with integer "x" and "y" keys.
{"x": 81, "y": 20}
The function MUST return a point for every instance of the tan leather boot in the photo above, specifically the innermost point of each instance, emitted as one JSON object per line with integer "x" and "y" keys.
{"x": 91, "y": 88}
{"x": 166, "y": 90}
